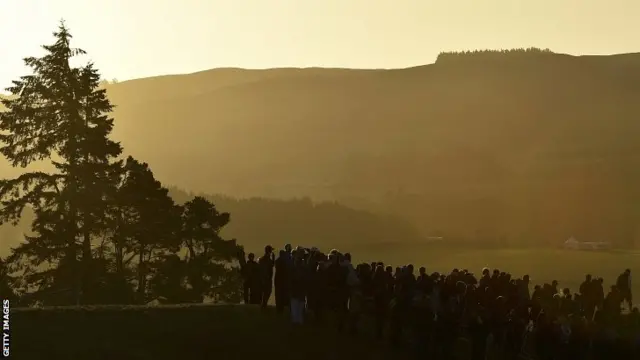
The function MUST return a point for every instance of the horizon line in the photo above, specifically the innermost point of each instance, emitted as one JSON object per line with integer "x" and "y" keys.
{"x": 285, "y": 67}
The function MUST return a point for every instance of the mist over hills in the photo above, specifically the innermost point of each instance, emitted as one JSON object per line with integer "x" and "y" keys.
{"x": 258, "y": 221}
{"x": 526, "y": 145}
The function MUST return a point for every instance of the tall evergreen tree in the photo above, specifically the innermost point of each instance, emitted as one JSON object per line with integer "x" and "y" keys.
{"x": 60, "y": 114}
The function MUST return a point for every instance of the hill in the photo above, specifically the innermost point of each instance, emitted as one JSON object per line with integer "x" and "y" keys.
{"x": 256, "y": 222}
{"x": 529, "y": 146}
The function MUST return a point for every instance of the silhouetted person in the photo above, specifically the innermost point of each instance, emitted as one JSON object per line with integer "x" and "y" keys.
{"x": 338, "y": 291}
{"x": 381, "y": 296}
{"x": 624, "y": 286}
{"x": 282, "y": 281}
{"x": 589, "y": 295}
{"x": 597, "y": 295}
{"x": 266, "y": 262}
{"x": 251, "y": 280}
{"x": 354, "y": 293}
{"x": 579, "y": 338}
{"x": 554, "y": 287}
{"x": 478, "y": 329}
{"x": 316, "y": 292}
{"x": 613, "y": 301}
{"x": 288, "y": 256}
{"x": 365, "y": 275}
{"x": 485, "y": 280}
{"x": 586, "y": 284}
{"x": 298, "y": 288}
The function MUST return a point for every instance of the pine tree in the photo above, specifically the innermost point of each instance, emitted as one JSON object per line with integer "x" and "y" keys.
{"x": 60, "y": 114}
{"x": 146, "y": 224}
{"x": 208, "y": 255}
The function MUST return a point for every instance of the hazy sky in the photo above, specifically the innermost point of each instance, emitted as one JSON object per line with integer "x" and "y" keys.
{"x": 137, "y": 38}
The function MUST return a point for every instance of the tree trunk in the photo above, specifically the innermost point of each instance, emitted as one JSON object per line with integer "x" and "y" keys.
{"x": 87, "y": 264}
{"x": 119, "y": 256}
{"x": 142, "y": 275}
{"x": 119, "y": 247}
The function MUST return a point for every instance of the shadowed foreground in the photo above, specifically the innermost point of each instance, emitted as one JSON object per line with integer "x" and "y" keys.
{"x": 174, "y": 332}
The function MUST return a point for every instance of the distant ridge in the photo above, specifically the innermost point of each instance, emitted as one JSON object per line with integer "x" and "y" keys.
{"x": 531, "y": 150}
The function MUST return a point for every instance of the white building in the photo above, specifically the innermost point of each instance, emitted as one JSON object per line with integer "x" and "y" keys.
{"x": 573, "y": 244}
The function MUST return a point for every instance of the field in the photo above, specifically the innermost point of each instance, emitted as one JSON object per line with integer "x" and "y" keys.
{"x": 543, "y": 265}
{"x": 176, "y": 332}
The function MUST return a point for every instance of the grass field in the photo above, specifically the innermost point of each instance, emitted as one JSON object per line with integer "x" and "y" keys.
{"x": 543, "y": 265}
{"x": 181, "y": 332}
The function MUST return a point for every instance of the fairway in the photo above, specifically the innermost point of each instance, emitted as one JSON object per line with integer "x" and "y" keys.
{"x": 543, "y": 265}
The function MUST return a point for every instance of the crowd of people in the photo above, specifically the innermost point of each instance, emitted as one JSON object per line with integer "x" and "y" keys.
{"x": 497, "y": 315}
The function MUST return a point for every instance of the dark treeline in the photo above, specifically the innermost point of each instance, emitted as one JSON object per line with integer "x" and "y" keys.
{"x": 525, "y": 53}
{"x": 258, "y": 220}
{"x": 103, "y": 229}
{"x": 274, "y": 221}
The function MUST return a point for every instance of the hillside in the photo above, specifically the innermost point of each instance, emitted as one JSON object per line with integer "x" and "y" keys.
{"x": 530, "y": 146}
{"x": 197, "y": 332}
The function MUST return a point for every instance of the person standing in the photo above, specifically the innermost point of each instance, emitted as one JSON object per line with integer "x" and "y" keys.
{"x": 266, "y": 264}
{"x": 288, "y": 255}
{"x": 298, "y": 288}
{"x": 282, "y": 281}
{"x": 250, "y": 278}
{"x": 337, "y": 289}
{"x": 624, "y": 286}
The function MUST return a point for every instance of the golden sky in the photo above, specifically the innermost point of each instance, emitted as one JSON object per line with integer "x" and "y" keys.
{"x": 138, "y": 38}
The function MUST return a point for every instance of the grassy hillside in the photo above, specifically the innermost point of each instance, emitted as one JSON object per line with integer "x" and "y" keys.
{"x": 533, "y": 147}
{"x": 174, "y": 332}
